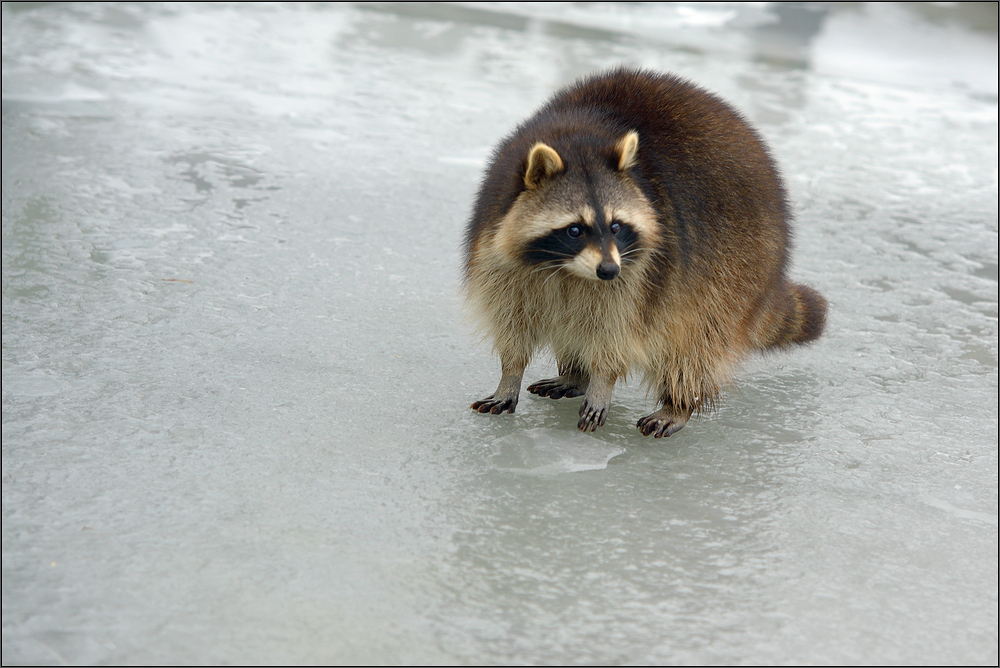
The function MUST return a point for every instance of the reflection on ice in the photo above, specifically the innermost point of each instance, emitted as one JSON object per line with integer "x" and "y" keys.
{"x": 544, "y": 451}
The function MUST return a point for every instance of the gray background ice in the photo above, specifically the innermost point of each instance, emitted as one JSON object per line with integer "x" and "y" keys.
{"x": 236, "y": 376}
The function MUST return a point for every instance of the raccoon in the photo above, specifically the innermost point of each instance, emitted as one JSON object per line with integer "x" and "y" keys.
{"x": 636, "y": 222}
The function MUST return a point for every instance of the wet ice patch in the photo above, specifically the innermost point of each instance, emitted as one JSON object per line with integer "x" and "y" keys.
{"x": 960, "y": 513}
{"x": 550, "y": 451}
{"x": 33, "y": 384}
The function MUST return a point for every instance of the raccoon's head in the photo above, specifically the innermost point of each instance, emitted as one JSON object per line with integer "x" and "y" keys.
{"x": 580, "y": 211}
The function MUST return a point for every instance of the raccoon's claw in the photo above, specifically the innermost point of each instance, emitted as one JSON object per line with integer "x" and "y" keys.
{"x": 591, "y": 417}
{"x": 505, "y": 397}
{"x": 662, "y": 423}
{"x": 494, "y": 406}
{"x": 557, "y": 388}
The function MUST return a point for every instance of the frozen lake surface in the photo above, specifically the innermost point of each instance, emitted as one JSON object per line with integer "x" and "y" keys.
{"x": 236, "y": 377}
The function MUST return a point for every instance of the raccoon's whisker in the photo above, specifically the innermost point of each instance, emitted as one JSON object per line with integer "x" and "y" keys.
{"x": 557, "y": 270}
{"x": 547, "y": 266}
{"x": 630, "y": 251}
{"x": 547, "y": 275}
{"x": 570, "y": 251}
{"x": 551, "y": 267}
{"x": 558, "y": 260}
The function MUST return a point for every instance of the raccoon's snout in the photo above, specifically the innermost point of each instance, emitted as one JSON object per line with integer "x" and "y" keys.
{"x": 607, "y": 270}
{"x": 609, "y": 267}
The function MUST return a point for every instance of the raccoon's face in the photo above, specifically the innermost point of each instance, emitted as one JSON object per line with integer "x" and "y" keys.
{"x": 588, "y": 242}
{"x": 586, "y": 217}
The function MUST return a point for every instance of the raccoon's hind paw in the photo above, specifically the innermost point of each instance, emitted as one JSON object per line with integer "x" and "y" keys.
{"x": 663, "y": 422}
{"x": 495, "y": 405}
{"x": 557, "y": 388}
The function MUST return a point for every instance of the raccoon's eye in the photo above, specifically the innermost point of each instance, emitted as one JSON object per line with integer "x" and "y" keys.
{"x": 616, "y": 227}
{"x": 574, "y": 231}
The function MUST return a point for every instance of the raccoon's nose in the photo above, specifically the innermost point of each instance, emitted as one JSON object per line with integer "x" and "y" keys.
{"x": 607, "y": 270}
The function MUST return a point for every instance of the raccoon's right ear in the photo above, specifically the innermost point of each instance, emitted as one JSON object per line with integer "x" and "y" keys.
{"x": 543, "y": 162}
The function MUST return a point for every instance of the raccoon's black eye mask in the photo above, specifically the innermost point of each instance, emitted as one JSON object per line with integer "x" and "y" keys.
{"x": 566, "y": 242}
{"x": 557, "y": 245}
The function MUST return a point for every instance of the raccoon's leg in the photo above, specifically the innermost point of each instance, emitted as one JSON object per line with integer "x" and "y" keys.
{"x": 668, "y": 420}
{"x": 571, "y": 382}
{"x": 505, "y": 398}
{"x": 596, "y": 403}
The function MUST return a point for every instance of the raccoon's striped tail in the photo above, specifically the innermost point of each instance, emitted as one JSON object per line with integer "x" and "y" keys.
{"x": 799, "y": 315}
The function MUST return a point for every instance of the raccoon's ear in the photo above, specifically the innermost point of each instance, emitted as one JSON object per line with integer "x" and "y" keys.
{"x": 627, "y": 147}
{"x": 543, "y": 162}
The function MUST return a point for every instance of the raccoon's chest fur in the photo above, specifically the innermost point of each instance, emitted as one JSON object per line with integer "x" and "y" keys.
{"x": 597, "y": 324}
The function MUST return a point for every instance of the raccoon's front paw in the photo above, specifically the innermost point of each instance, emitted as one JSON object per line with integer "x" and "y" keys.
{"x": 557, "y": 388}
{"x": 592, "y": 416}
{"x": 495, "y": 405}
{"x": 663, "y": 422}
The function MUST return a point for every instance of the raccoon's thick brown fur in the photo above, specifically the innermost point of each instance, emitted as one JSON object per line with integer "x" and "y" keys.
{"x": 635, "y": 222}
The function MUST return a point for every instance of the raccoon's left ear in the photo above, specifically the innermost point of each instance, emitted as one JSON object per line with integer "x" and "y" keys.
{"x": 543, "y": 162}
{"x": 627, "y": 147}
